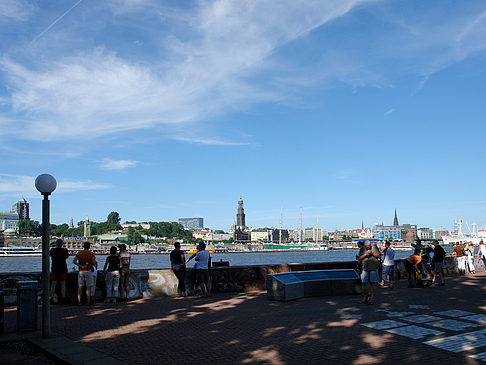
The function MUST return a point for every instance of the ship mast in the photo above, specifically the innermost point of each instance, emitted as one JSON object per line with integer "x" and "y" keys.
{"x": 280, "y": 231}
{"x": 300, "y": 227}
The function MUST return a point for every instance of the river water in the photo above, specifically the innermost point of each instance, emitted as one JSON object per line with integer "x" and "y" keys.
{"x": 162, "y": 261}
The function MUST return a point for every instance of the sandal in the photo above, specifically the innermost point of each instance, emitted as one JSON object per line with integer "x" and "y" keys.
{"x": 363, "y": 301}
{"x": 371, "y": 302}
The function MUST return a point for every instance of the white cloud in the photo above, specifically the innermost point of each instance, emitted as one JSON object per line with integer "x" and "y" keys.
{"x": 19, "y": 10}
{"x": 22, "y": 185}
{"x": 210, "y": 141}
{"x": 187, "y": 65}
{"x": 98, "y": 92}
{"x": 109, "y": 164}
{"x": 389, "y": 111}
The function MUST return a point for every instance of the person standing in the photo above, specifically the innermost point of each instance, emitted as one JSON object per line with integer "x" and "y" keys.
{"x": 469, "y": 250}
{"x": 369, "y": 255}
{"x": 112, "y": 275}
{"x": 203, "y": 259}
{"x": 124, "y": 273}
{"x": 85, "y": 260}
{"x": 388, "y": 264}
{"x": 438, "y": 261}
{"x": 177, "y": 265}
{"x": 482, "y": 253}
{"x": 59, "y": 270}
{"x": 458, "y": 252}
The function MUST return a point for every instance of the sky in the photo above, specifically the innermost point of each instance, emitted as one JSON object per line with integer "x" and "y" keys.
{"x": 341, "y": 109}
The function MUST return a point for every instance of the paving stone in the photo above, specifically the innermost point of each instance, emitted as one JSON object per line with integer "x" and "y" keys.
{"x": 420, "y": 318}
{"x": 454, "y": 313}
{"x": 459, "y": 343}
{"x": 481, "y": 318}
{"x": 453, "y": 325}
{"x": 385, "y": 324}
{"x": 414, "y": 332}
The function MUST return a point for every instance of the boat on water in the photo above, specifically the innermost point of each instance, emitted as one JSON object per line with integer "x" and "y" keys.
{"x": 462, "y": 238}
{"x": 194, "y": 250}
{"x": 20, "y": 251}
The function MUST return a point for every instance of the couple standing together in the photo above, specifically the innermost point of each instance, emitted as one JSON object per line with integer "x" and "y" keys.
{"x": 203, "y": 263}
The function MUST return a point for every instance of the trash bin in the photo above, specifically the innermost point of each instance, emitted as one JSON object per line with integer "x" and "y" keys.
{"x": 2, "y": 306}
{"x": 27, "y": 305}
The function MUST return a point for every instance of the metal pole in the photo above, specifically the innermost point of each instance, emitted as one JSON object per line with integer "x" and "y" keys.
{"x": 46, "y": 315}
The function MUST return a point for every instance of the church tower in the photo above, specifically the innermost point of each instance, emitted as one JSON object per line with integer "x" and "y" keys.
{"x": 87, "y": 228}
{"x": 395, "y": 220}
{"x": 240, "y": 214}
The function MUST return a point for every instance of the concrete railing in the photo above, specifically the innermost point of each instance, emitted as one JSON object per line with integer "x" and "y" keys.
{"x": 156, "y": 282}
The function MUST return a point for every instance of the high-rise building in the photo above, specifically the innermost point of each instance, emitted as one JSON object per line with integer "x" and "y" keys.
{"x": 192, "y": 223}
{"x": 21, "y": 208}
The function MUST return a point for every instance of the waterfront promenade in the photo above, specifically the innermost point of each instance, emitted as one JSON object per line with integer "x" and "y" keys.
{"x": 433, "y": 325}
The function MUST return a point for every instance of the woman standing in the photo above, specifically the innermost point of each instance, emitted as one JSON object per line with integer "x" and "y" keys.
{"x": 177, "y": 265}
{"x": 482, "y": 253}
{"x": 112, "y": 275}
{"x": 469, "y": 250}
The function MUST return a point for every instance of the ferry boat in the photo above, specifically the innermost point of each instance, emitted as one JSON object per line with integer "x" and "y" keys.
{"x": 20, "y": 251}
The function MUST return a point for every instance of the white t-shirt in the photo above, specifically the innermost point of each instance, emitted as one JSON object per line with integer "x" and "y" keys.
{"x": 389, "y": 256}
{"x": 202, "y": 258}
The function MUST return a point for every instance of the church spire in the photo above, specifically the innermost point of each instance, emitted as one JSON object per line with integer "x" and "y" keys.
{"x": 395, "y": 220}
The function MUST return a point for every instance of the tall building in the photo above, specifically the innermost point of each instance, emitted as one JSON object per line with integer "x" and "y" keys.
{"x": 9, "y": 220}
{"x": 192, "y": 223}
{"x": 21, "y": 208}
{"x": 87, "y": 228}
{"x": 240, "y": 214}
{"x": 240, "y": 232}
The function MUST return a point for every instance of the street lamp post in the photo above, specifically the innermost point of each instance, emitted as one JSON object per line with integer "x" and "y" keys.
{"x": 45, "y": 184}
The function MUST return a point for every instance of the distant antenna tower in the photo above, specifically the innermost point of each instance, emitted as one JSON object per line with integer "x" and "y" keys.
{"x": 300, "y": 227}
{"x": 280, "y": 232}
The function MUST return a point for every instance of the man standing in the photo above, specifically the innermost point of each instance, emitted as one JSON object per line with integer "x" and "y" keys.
{"x": 388, "y": 264}
{"x": 59, "y": 270}
{"x": 437, "y": 261}
{"x": 369, "y": 255}
{"x": 124, "y": 273}
{"x": 177, "y": 265}
{"x": 203, "y": 259}
{"x": 85, "y": 260}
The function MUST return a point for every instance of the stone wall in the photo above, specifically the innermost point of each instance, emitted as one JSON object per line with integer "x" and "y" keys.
{"x": 155, "y": 282}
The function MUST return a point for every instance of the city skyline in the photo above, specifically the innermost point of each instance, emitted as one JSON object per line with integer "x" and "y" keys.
{"x": 161, "y": 110}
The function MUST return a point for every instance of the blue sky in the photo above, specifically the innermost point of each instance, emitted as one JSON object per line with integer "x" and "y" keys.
{"x": 158, "y": 110}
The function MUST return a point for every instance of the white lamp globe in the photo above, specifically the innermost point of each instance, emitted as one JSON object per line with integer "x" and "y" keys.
{"x": 45, "y": 183}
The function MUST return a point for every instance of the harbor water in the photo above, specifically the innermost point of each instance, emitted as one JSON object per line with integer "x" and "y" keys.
{"x": 162, "y": 261}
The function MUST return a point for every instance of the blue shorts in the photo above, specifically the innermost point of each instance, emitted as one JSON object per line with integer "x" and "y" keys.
{"x": 369, "y": 276}
{"x": 387, "y": 272}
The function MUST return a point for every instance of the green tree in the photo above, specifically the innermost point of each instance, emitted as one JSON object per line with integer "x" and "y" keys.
{"x": 113, "y": 218}
{"x": 26, "y": 226}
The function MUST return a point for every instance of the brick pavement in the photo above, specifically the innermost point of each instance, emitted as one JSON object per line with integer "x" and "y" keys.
{"x": 250, "y": 329}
